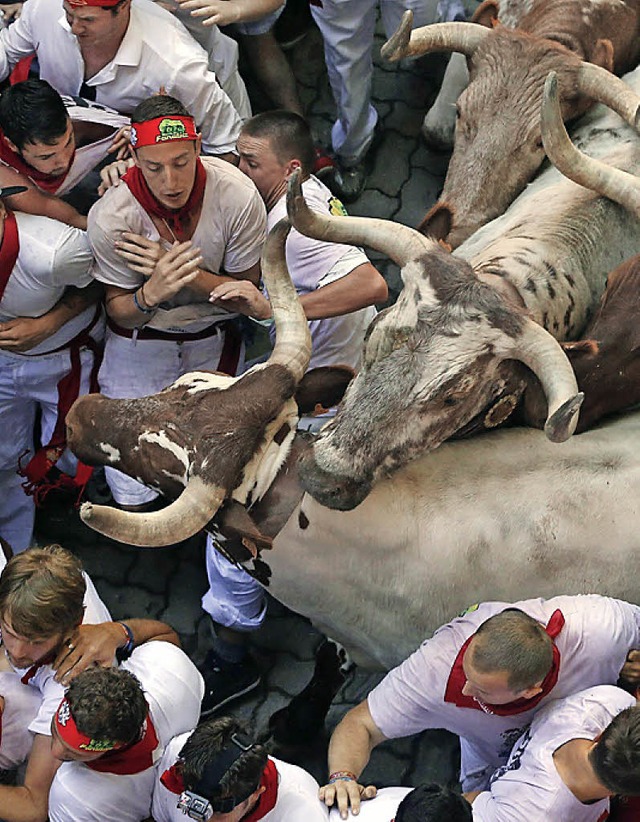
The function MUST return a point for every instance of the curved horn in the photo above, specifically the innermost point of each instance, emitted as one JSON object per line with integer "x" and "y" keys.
{"x": 193, "y": 509}
{"x": 462, "y": 37}
{"x": 619, "y": 186}
{"x": 293, "y": 340}
{"x": 399, "y": 242}
{"x": 538, "y": 350}
{"x": 604, "y": 87}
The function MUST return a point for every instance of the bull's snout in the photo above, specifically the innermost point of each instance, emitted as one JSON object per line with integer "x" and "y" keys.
{"x": 342, "y": 493}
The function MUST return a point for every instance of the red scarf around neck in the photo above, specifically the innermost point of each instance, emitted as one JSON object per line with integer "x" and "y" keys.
{"x": 173, "y": 781}
{"x": 175, "y": 217}
{"x": 44, "y": 181}
{"x": 9, "y": 249}
{"x": 457, "y": 679}
{"x": 135, "y": 758}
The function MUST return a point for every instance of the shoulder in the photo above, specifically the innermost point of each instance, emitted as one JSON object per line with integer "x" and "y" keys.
{"x": 116, "y": 210}
{"x": 226, "y": 176}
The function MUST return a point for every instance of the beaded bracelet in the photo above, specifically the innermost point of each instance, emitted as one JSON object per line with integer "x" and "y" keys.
{"x": 342, "y": 776}
{"x": 125, "y": 651}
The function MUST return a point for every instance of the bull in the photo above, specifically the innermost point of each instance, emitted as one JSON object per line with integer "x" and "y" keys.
{"x": 498, "y": 146}
{"x": 444, "y": 353}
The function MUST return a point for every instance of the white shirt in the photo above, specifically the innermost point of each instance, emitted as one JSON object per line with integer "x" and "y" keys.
{"x": 594, "y": 642}
{"x": 21, "y": 705}
{"x": 529, "y": 785}
{"x": 297, "y": 792}
{"x": 173, "y": 689}
{"x": 52, "y": 256}
{"x": 313, "y": 264}
{"x": 155, "y": 51}
{"x": 382, "y": 808}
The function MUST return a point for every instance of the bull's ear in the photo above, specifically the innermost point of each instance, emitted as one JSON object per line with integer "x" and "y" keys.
{"x": 602, "y": 54}
{"x": 486, "y": 14}
{"x": 437, "y": 222}
{"x": 580, "y": 348}
{"x": 323, "y": 386}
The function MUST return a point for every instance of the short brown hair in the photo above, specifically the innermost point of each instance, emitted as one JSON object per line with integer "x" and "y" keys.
{"x": 288, "y": 134}
{"x": 616, "y": 755}
{"x": 513, "y": 642}
{"x": 42, "y": 592}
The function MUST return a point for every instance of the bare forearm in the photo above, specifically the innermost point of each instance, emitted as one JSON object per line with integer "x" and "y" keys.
{"x": 362, "y": 287}
{"x": 145, "y": 630}
{"x": 35, "y": 201}
{"x": 350, "y": 746}
{"x": 18, "y": 804}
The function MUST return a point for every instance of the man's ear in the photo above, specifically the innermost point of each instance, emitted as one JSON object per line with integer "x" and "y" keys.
{"x": 198, "y": 144}
{"x": 529, "y": 693}
{"x": 11, "y": 145}
{"x": 292, "y": 165}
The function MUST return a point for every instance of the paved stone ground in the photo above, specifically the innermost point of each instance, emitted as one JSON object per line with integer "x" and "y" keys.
{"x": 167, "y": 584}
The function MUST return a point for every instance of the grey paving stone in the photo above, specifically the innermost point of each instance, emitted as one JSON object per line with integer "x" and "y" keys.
{"x": 374, "y": 204}
{"x": 419, "y": 192}
{"x": 392, "y": 164}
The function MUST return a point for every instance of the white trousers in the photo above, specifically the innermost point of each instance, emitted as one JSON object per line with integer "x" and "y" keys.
{"x": 137, "y": 368}
{"x": 347, "y": 28}
{"x": 29, "y": 384}
{"x": 234, "y": 598}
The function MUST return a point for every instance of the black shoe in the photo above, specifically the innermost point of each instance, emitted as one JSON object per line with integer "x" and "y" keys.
{"x": 224, "y": 682}
{"x": 349, "y": 181}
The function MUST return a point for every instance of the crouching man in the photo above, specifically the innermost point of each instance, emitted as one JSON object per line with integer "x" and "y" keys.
{"x": 218, "y": 772}
{"x": 111, "y": 728}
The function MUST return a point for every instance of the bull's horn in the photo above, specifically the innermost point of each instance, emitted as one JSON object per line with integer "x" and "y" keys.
{"x": 538, "y": 350}
{"x": 604, "y": 87}
{"x": 462, "y": 37}
{"x": 189, "y": 514}
{"x": 293, "y": 340}
{"x": 619, "y": 186}
{"x": 399, "y": 242}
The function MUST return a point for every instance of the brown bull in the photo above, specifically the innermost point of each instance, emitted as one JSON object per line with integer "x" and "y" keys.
{"x": 498, "y": 146}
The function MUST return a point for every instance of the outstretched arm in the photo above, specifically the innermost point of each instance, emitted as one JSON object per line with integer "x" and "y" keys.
{"x": 29, "y": 802}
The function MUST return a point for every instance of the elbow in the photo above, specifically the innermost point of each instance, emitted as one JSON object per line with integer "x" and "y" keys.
{"x": 381, "y": 291}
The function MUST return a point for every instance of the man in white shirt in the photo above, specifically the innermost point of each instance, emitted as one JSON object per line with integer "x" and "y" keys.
{"x": 483, "y": 676}
{"x": 119, "y": 52}
{"x": 218, "y": 772}
{"x": 50, "y": 329}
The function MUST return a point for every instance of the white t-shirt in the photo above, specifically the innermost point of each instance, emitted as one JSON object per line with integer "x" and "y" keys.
{"x": 52, "y": 256}
{"x": 313, "y": 264}
{"x": 230, "y": 234}
{"x": 382, "y": 808}
{"x": 593, "y": 644}
{"x": 156, "y": 51}
{"x": 21, "y": 704}
{"x": 297, "y": 792}
{"x": 529, "y": 785}
{"x": 173, "y": 689}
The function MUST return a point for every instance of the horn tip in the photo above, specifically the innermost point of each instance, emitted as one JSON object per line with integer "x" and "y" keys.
{"x": 397, "y": 46}
{"x": 562, "y": 423}
{"x": 86, "y": 511}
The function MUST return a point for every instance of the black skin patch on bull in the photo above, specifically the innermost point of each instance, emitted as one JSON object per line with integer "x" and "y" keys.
{"x": 553, "y": 274}
{"x": 531, "y": 286}
{"x": 303, "y": 521}
{"x": 551, "y": 291}
{"x": 570, "y": 280}
{"x": 455, "y": 284}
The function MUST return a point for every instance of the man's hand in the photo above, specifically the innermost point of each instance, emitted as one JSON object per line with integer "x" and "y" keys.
{"x": 121, "y": 144}
{"x": 631, "y": 670}
{"x": 242, "y": 296}
{"x": 175, "y": 269}
{"x": 10, "y": 11}
{"x": 111, "y": 175}
{"x": 346, "y": 793}
{"x": 141, "y": 254}
{"x": 214, "y": 12}
{"x": 25, "y": 333}
{"x": 88, "y": 645}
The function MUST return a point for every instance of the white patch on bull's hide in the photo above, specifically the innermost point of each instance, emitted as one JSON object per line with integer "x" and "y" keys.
{"x": 268, "y": 458}
{"x": 161, "y": 439}
{"x": 196, "y": 381}
{"x": 113, "y": 455}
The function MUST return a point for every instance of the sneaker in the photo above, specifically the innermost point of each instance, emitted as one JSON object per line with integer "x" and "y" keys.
{"x": 224, "y": 682}
{"x": 323, "y": 166}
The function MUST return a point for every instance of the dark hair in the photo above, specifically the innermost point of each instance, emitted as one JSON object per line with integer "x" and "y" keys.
{"x": 160, "y": 105}
{"x": 32, "y": 112}
{"x": 204, "y": 746}
{"x": 108, "y": 703}
{"x": 616, "y": 755}
{"x": 42, "y": 592}
{"x": 514, "y": 642}
{"x": 288, "y": 133}
{"x": 433, "y": 803}
{"x": 115, "y": 10}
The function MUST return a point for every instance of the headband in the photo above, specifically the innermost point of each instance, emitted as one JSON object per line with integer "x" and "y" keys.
{"x": 74, "y": 738}
{"x": 162, "y": 129}
{"x": 105, "y": 3}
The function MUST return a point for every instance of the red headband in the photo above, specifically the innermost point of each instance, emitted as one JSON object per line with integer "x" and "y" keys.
{"x": 69, "y": 733}
{"x": 106, "y": 3}
{"x": 162, "y": 129}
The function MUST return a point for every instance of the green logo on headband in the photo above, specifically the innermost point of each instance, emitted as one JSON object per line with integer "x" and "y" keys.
{"x": 171, "y": 130}
{"x": 98, "y": 745}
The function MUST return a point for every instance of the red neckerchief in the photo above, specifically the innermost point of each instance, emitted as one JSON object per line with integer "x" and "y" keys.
{"x": 173, "y": 781}
{"x": 9, "y": 249}
{"x": 457, "y": 679}
{"x": 174, "y": 216}
{"x": 135, "y": 758}
{"x": 44, "y": 181}
{"x": 46, "y": 660}
{"x": 624, "y": 809}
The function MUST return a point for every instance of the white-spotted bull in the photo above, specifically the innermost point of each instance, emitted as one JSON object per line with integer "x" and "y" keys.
{"x": 498, "y": 146}
{"x": 506, "y": 515}
{"x": 443, "y": 354}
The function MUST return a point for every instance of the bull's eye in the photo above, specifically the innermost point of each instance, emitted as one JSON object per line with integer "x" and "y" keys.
{"x": 449, "y": 400}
